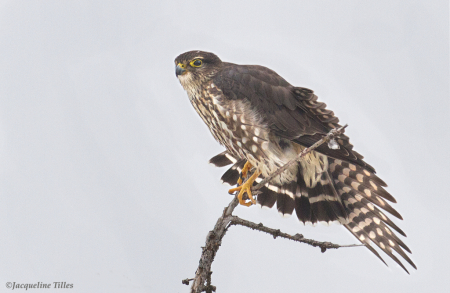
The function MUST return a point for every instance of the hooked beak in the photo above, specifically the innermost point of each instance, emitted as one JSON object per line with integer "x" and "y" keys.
{"x": 180, "y": 69}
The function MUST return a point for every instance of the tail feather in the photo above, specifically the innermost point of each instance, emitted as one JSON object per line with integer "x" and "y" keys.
{"x": 285, "y": 199}
{"x": 346, "y": 192}
{"x": 386, "y": 244}
{"x": 354, "y": 196}
{"x": 231, "y": 176}
{"x": 358, "y": 180}
{"x": 282, "y": 195}
{"x": 350, "y": 226}
{"x": 318, "y": 204}
{"x": 336, "y": 202}
{"x": 267, "y": 198}
{"x": 356, "y": 169}
{"x": 325, "y": 205}
{"x": 367, "y": 223}
{"x": 302, "y": 205}
{"x": 348, "y": 184}
{"x": 361, "y": 208}
{"x": 223, "y": 159}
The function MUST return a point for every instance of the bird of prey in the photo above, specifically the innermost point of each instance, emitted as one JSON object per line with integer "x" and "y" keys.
{"x": 264, "y": 122}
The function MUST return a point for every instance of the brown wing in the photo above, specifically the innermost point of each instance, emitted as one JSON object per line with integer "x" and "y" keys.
{"x": 291, "y": 112}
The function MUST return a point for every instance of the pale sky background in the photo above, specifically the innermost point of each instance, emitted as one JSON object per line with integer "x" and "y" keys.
{"x": 104, "y": 180}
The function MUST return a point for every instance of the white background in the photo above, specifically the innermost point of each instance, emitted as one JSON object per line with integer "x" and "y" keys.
{"x": 104, "y": 181}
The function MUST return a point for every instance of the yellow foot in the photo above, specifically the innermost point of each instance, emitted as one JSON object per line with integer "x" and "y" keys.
{"x": 246, "y": 187}
{"x": 244, "y": 172}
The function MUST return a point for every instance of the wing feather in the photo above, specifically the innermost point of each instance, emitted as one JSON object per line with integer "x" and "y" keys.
{"x": 291, "y": 112}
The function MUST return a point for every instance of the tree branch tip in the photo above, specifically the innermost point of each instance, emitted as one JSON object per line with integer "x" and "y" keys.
{"x": 186, "y": 281}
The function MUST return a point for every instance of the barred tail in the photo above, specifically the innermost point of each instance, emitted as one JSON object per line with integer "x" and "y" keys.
{"x": 346, "y": 193}
{"x": 320, "y": 203}
{"x": 360, "y": 190}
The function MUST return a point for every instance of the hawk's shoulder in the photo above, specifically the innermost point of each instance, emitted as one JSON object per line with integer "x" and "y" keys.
{"x": 248, "y": 75}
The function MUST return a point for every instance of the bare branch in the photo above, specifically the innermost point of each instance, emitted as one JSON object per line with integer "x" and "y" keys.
{"x": 214, "y": 237}
{"x": 297, "y": 237}
{"x": 213, "y": 242}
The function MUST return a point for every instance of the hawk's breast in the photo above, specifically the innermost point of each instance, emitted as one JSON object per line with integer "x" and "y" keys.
{"x": 235, "y": 125}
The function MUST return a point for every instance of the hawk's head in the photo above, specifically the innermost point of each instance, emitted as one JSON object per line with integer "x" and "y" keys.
{"x": 195, "y": 67}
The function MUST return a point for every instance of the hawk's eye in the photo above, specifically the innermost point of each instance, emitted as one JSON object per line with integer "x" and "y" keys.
{"x": 196, "y": 63}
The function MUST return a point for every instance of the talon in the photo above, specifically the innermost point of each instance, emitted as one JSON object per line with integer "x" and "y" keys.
{"x": 246, "y": 187}
{"x": 244, "y": 172}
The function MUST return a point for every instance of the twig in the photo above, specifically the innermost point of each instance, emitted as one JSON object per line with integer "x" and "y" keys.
{"x": 235, "y": 220}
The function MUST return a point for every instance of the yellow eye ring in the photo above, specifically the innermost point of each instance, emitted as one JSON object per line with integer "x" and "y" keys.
{"x": 196, "y": 63}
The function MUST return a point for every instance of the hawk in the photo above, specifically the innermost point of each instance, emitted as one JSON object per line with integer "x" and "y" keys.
{"x": 264, "y": 122}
